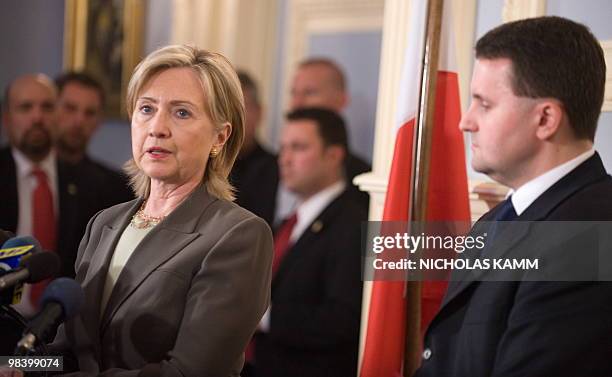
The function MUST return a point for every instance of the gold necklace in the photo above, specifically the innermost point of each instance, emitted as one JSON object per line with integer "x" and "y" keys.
{"x": 141, "y": 220}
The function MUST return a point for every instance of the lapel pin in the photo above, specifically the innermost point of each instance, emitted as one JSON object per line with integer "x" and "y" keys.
{"x": 316, "y": 226}
{"x": 72, "y": 189}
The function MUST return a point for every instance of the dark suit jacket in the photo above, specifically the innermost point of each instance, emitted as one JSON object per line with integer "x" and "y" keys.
{"x": 110, "y": 186}
{"x": 80, "y": 197}
{"x": 530, "y": 328}
{"x": 353, "y": 166}
{"x": 316, "y": 300}
{"x": 188, "y": 299}
{"x": 255, "y": 178}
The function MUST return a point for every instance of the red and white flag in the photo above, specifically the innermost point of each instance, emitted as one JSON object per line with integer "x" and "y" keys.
{"x": 447, "y": 199}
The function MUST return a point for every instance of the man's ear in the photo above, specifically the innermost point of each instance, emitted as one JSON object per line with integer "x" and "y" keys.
{"x": 336, "y": 153}
{"x": 344, "y": 100}
{"x": 550, "y": 114}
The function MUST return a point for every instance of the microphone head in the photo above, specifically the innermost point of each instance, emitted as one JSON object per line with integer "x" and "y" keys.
{"x": 67, "y": 293}
{"x": 23, "y": 241}
{"x": 41, "y": 266}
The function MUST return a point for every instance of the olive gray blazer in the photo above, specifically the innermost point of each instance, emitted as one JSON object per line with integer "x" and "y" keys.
{"x": 188, "y": 299}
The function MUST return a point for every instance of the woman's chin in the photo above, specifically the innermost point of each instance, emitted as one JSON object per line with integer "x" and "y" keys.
{"x": 163, "y": 175}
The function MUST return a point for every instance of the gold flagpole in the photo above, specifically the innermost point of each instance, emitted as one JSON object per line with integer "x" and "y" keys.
{"x": 423, "y": 132}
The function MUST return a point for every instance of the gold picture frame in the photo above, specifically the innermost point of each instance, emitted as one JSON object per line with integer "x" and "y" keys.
{"x": 104, "y": 39}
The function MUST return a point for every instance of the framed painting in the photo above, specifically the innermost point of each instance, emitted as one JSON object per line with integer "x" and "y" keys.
{"x": 104, "y": 39}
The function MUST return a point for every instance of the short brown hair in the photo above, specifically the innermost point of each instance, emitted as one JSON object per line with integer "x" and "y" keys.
{"x": 330, "y": 125}
{"x": 224, "y": 104}
{"x": 81, "y": 78}
{"x": 553, "y": 57}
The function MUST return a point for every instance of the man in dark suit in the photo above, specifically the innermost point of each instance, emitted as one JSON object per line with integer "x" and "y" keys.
{"x": 312, "y": 326}
{"x": 41, "y": 195}
{"x": 537, "y": 92}
{"x": 320, "y": 82}
{"x": 79, "y": 114}
{"x": 255, "y": 172}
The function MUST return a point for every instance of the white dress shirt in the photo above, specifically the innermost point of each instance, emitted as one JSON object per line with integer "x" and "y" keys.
{"x": 530, "y": 191}
{"x": 308, "y": 210}
{"x": 26, "y": 184}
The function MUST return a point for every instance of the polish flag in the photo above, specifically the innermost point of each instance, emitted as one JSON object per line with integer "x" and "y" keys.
{"x": 447, "y": 200}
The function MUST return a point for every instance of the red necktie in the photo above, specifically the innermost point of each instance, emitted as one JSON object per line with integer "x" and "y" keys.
{"x": 281, "y": 245}
{"x": 43, "y": 222}
{"x": 281, "y": 241}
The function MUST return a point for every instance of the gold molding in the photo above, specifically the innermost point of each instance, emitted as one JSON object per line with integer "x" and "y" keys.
{"x": 307, "y": 17}
{"x": 76, "y": 29}
{"x": 133, "y": 43}
{"x": 75, "y": 34}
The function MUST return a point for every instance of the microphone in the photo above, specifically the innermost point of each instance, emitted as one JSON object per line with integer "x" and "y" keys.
{"x": 12, "y": 252}
{"x": 60, "y": 301}
{"x": 22, "y": 241}
{"x": 32, "y": 269}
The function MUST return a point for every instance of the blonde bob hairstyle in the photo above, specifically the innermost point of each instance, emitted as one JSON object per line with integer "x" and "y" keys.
{"x": 224, "y": 104}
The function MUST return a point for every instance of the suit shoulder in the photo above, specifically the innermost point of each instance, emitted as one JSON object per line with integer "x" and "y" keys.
{"x": 350, "y": 205}
{"x": 115, "y": 211}
{"x": 226, "y": 212}
{"x": 343, "y": 214}
{"x": 592, "y": 203}
{"x": 103, "y": 170}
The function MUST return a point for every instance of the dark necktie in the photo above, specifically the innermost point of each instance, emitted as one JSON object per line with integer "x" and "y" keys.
{"x": 506, "y": 211}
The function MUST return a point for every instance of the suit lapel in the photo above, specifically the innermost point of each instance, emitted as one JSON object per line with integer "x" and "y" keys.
{"x": 306, "y": 240}
{"x": 504, "y": 243}
{"x": 68, "y": 216}
{"x": 9, "y": 210}
{"x": 67, "y": 190}
{"x": 587, "y": 173}
{"x": 162, "y": 243}
{"x": 95, "y": 278}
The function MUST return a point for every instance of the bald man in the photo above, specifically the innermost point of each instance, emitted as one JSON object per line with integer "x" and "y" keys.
{"x": 320, "y": 82}
{"x": 40, "y": 195}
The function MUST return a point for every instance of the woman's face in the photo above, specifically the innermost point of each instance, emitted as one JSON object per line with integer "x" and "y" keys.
{"x": 172, "y": 134}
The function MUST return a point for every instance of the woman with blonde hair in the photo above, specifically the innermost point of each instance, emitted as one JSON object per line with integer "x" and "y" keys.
{"x": 177, "y": 280}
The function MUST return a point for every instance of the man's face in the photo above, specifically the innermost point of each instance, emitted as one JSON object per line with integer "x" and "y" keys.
{"x": 306, "y": 165}
{"x": 315, "y": 86}
{"x": 30, "y": 116}
{"x": 502, "y": 126}
{"x": 78, "y": 115}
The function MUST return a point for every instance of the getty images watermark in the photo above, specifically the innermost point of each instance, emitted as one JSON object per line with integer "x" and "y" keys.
{"x": 490, "y": 251}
